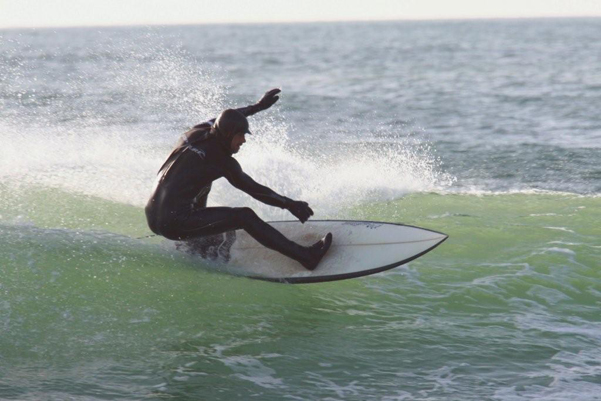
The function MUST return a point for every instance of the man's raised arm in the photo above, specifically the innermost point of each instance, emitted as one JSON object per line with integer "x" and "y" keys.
{"x": 268, "y": 100}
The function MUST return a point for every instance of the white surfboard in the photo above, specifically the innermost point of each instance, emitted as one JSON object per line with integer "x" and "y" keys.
{"x": 359, "y": 248}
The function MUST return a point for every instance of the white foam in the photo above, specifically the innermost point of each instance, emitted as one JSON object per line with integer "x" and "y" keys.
{"x": 572, "y": 377}
{"x": 330, "y": 181}
{"x": 110, "y": 148}
{"x": 111, "y": 164}
{"x": 560, "y": 229}
{"x": 481, "y": 191}
{"x": 95, "y": 154}
{"x": 560, "y": 250}
{"x": 252, "y": 370}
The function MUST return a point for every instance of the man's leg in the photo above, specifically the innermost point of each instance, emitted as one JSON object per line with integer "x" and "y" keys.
{"x": 217, "y": 220}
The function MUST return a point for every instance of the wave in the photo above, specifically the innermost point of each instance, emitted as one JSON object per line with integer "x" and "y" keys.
{"x": 507, "y": 284}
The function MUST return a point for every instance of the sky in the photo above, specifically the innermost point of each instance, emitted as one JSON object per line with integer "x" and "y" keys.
{"x": 61, "y": 13}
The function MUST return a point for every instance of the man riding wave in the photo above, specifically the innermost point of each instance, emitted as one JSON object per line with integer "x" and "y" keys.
{"x": 177, "y": 208}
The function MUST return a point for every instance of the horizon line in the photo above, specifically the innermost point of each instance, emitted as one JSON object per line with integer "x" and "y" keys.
{"x": 299, "y": 22}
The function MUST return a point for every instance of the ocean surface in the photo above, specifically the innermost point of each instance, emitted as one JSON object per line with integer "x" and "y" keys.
{"x": 488, "y": 131}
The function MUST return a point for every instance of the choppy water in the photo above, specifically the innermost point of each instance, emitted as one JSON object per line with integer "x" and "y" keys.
{"x": 488, "y": 131}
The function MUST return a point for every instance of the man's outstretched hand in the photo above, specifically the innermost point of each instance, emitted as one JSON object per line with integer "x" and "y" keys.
{"x": 300, "y": 210}
{"x": 268, "y": 99}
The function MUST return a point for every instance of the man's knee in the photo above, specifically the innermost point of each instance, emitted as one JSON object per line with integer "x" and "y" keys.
{"x": 246, "y": 214}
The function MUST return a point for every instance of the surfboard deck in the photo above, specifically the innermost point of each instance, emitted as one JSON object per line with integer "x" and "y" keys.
{"x": 359, "y": 248}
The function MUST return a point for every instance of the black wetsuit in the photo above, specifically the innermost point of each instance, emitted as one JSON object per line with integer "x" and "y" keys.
{"x": 177, "y": 208}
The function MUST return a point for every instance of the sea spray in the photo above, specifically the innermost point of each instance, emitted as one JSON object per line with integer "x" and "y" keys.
{"x": 102, "y": 147}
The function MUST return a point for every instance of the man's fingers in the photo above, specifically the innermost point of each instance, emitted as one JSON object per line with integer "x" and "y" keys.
{"x": 308, "y": 211}
{"x": 301, "y": 211}
{"x": 269, "y": 99}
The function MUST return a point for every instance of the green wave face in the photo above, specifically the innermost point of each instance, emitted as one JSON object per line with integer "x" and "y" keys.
{"x": 506, "y": 307}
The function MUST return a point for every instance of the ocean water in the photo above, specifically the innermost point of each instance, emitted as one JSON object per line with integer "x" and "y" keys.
{"x": 488, "y": 131}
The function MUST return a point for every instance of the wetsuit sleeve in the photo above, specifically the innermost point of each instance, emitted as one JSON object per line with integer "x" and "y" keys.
{"x": 244, "y": 182}
{"x": 249, "y": 110}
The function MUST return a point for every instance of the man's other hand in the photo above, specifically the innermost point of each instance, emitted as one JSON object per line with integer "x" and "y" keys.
{"x": 268, "y": 99}
{"x": 300, "y": 210}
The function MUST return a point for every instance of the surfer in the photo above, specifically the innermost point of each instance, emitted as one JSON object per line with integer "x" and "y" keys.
{"x": 178, "y": 208}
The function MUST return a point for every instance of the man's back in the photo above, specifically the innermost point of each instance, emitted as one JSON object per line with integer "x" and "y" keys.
{"x": 189, "y": 170}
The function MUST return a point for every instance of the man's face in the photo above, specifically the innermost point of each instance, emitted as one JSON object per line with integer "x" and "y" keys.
{"x": 237, "y": 141}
